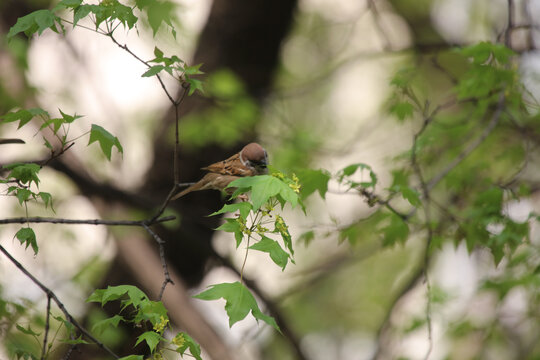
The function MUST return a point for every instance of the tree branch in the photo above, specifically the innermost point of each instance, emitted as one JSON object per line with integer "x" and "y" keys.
{"x": 60, "y": 305}
{"x": 143, "y": 223}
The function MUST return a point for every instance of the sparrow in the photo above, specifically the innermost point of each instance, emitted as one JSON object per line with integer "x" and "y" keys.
{"x": 250, "y": 161}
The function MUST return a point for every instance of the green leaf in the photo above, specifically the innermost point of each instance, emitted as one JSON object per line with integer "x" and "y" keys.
{"x": 27, "y": 331}
{"x": 113, "y": 9}
{"x": 314, "y": 180}
{"x": 283, "y": 230}
{"x": 402, "y": 110}
{"x": 194, "y": 85}
{"x": 106, "y": 140}
{"x": 239, "y": 302}
{"x": 263, "y": 187}
{"x": 25, "y": 173}
{"x": 188, "y": 343}
{"x": 156, "y": 69}
{"x": 22, "y": 194}
{"x": 160, "y": 12}
{"x": 46, "y": 198}
{"x": 132, "y": 357}
{"x": 244, "y": 207}
{"x": 351, "y": 169}
{"x": 306, "y": 237}
{"x": 396, "y": 231}
{"x": 403, "y": 78}
{"x": 234, "y": 226}
{"x": 153, "y": 311}
{"x": 483, "y": 51}
{"x": 24, "y": 116}
{"x": 157, "y": 52}
{"x": 193, "y": 70}
{"x": 152, "y": 339}
{"x": 69, "y": 118}
{"x": 409, "y": 194}
{"x": 277, "y": 254}
{"x": 57, "y": 123}
{"x": 28, "y": 237}
{"x": 70, "y": 3}
{"x": 36, "y": 21}
{"x": 81, "y": 12}
{"x": 103, "y": 296}
{"x": 105, "y": 324}
{"x": 350, "y": 233}
{"x": 76, "y": 341}
{"x": 47, "y": 144}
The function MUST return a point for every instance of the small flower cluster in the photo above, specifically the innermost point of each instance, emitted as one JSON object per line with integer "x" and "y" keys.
{"x": 161, "y": 325}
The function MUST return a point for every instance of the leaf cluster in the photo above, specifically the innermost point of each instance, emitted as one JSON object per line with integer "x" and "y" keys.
{"x": 139, "y": 311}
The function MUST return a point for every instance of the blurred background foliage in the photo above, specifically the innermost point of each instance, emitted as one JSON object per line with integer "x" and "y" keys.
{"x": 438, "y": 259}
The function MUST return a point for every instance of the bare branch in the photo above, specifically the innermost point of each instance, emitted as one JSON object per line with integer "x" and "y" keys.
{"x": 24, "y": 220}
{"x": 161, "y": 244}
{"x": 60, "y": 305}
{"x": 47, "y": 318}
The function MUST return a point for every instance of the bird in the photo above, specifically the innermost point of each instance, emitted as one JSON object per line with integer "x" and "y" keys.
{"x": 250, "y": 161}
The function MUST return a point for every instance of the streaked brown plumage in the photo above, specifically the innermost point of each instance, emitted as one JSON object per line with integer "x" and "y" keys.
{"x": 250, "y": 161}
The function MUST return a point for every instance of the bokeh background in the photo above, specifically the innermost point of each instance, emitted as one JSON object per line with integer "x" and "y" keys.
{"x": 310, "y": 80}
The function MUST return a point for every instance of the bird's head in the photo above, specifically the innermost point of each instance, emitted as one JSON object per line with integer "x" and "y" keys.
{"x": 253, "y": 155}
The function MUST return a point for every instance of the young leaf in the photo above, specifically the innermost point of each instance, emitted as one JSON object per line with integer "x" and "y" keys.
{"x": 396, "y": 231}
{"x": 46, "y": 198}
{"x": 243, "y": 207}
{"x": 157, "y": 52}
{"x": 152, "y": 339}
{"x": 27, "y": 331}
{"x": 103, "y": 325}
{"x": 184, "y": 342}
{"x": 277, "y": 254}
{"x": 234, "y": 226}
{"x": 314, "y": 180}
{"x": 132, "y": 357}
{"x": 194, "y": 85}
{"x": 239, "y": 302}
{"x": 409, "y": 194}
{"x": 156, "y": 69}
{"x": 263, "y": 187}
{"x": 36, "y": 21}
{"x": 106, "y": 140}
{"x": 81, "y": 12}
{"x": 153, "y": 311}
{"x": 25, "y": 173}
{"x": 70, "y": 3}
{"x": 160, "y": 12}
{"x": 69, "y": 118}
{"x": 24, "y": 116}
{"x": 402, "y": 110}
{"x": 283, "y": 229}
{"x": 76, "y": 341}
{"x": 351, "y": 169}
{"x": 28, "y": 237}
{"x": 22, "y": 194}
{"x": 103, "y": 296}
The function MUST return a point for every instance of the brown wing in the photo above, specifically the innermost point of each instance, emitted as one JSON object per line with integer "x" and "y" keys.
{"x": 209, "y": 181}
{"x": 232, "y": 166}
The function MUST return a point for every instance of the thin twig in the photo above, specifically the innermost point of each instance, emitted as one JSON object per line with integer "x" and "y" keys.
{"x": 24, "y": 220}
{"x": 426, "y": 204}
{"x": 55, "y": 155}
{"x": 60, "y": 305}
{"x": 510, "y": 28}
{"x": 161, "y": 244}
{"x": 47, "y": 319}
{"x": 492, "y": 124}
